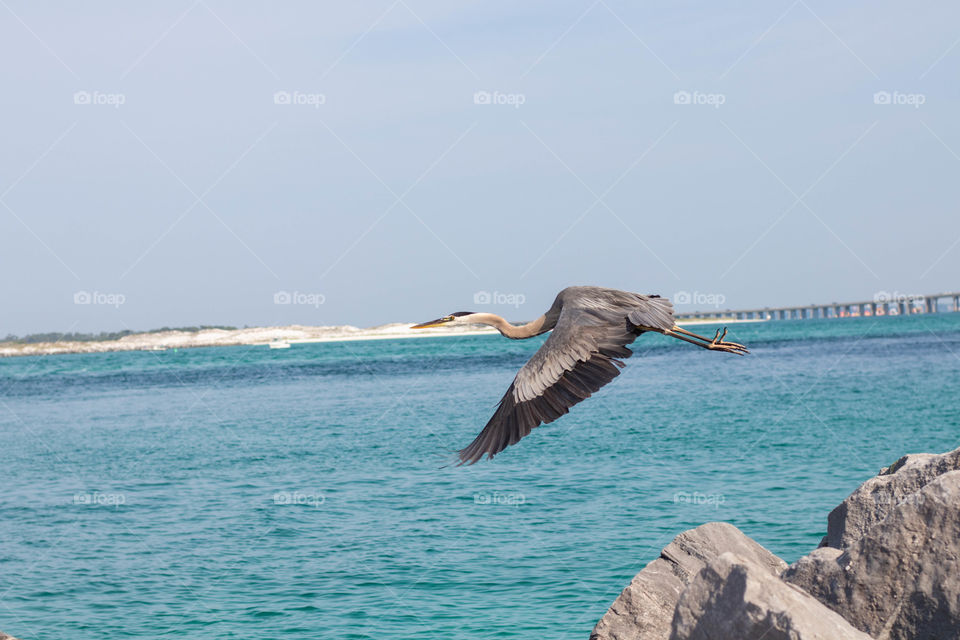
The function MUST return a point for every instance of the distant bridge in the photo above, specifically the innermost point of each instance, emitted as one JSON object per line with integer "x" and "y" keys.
{"x": 883, "y": 305}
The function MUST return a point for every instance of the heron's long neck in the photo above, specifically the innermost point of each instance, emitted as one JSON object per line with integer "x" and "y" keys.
{"x": 528, "y": 330}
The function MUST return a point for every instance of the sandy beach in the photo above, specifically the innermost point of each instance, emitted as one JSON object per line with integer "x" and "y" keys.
{"x": 293, "y": 334}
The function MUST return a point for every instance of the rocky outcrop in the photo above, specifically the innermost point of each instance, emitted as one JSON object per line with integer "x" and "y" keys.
{"x": 733, "y": 597}
{"x": 4, "y": 636}
{"x": 901, "y": 579}
{"x": 875, "y": 498}
{"x": 644, "y": 610}
{"x": 889, "y": 568}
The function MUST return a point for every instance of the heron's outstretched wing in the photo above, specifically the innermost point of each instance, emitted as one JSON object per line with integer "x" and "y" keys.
{"x": 582, "y": 354}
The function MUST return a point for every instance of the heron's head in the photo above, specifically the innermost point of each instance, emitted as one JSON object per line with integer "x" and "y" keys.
{"x": 458, "y": 317}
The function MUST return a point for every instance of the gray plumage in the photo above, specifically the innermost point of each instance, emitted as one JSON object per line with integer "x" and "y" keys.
{"x": 592, "y": 327}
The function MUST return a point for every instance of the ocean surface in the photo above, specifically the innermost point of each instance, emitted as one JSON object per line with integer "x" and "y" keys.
{"x": 243, "y": 492}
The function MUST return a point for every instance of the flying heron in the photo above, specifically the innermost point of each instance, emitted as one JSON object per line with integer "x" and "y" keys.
{"x": 592, "y": 327}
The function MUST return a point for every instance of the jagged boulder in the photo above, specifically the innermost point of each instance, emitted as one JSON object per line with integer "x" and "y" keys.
{"x": 734, "y": 598}
{"x": 877, "y": 497}
{"x": 889, "y": 567}
{"x": 645, "y": 609}
{"x": 901, "y": 578}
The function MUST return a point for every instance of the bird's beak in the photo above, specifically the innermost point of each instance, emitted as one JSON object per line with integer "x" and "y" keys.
{"x": 439, "y": 322}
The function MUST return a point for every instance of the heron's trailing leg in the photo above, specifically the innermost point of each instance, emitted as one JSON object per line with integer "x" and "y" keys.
{"x": 716, "y": 344}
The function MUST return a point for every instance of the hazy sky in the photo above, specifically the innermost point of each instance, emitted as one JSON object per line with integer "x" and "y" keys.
{"x": 148, "y": 161}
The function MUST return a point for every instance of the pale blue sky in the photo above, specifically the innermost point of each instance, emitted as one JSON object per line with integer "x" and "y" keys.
{"x": 199, "y": 198}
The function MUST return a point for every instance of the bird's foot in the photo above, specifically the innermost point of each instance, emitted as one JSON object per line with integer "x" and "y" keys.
{"x": 719, "y": 344}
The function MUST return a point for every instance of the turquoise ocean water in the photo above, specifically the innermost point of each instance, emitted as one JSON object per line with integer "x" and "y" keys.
{"x": 245, "y": 492}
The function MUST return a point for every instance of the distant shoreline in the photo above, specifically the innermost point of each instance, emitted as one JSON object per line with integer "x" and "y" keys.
{"x": 257, "y": 336}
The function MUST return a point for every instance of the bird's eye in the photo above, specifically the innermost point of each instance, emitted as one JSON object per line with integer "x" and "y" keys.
{"x": 448, "y": 319}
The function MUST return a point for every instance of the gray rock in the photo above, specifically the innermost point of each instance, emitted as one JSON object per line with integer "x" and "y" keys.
{"x": 733, "y": 598}
{"x": 901, "y": 578}
{"x": 875, "y": 498}
{"x": 644, "y": 610}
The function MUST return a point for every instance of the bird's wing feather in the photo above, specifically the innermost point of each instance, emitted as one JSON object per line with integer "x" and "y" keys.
{"x": 582, "y": 354}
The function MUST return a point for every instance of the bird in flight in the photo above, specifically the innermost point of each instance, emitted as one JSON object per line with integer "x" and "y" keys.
{"x": 592, "y": 327}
